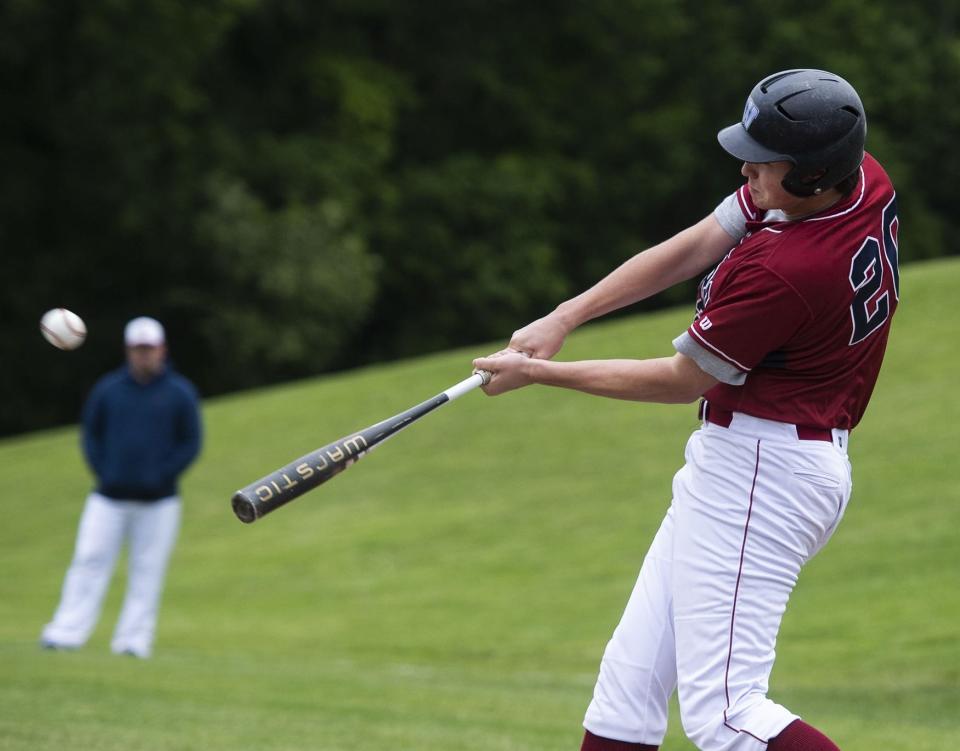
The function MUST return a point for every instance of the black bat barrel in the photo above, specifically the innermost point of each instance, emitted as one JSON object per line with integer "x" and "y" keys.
{"x": 296, "y": 478}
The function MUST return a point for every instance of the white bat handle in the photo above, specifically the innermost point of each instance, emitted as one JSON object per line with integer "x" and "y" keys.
{"x": 479, "y": 378}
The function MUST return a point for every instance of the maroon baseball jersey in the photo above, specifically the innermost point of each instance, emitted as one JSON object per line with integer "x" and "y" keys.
{"x": 794, "y": 320}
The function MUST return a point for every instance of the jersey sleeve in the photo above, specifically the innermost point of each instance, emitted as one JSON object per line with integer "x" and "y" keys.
{"x": 92, "y": 422}
{"x": 751, "y": 318}
{"x": 734, "y": 211}
{"x": 708, "y": 362}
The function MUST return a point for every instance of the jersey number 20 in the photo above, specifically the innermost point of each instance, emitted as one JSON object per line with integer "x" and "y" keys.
{"x": 868, "y": 310}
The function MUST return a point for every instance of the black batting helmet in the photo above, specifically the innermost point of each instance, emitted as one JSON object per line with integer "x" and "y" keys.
{"x": 809, "y": 117}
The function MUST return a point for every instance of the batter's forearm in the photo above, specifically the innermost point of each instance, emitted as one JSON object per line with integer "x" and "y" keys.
{"x": 675, "y": 260}
{"x": 666, "y": 380}
{"x": 635, "y": 280}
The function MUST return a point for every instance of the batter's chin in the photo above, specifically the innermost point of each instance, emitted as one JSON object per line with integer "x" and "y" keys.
{"x": 758, "y": 200}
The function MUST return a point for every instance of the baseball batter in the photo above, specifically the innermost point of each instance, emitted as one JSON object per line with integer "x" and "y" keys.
{"x": 784, "y": 350}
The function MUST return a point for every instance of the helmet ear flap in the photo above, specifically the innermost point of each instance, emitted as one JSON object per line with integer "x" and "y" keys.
{"x": 803, "y": 185}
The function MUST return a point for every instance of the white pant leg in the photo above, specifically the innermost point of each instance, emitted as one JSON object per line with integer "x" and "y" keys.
{"x": 638, "y": 670}
{"x": 749, "y": 513}
{"x": 99, "y": 538}
{"x": 153, "y": 533}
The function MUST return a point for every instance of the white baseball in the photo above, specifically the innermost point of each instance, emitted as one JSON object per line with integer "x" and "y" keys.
{"x": 63, "y": 328}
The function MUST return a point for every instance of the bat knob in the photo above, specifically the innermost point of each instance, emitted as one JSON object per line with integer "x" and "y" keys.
{"x": 485, "y": 376}
{"x": 244, "y": 508}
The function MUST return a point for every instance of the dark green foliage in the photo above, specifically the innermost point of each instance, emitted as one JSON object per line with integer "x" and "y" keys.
{"x": 294, "y": 186}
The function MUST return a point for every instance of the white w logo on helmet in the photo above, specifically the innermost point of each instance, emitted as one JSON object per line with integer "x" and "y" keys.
{"x": 750, "y": 112}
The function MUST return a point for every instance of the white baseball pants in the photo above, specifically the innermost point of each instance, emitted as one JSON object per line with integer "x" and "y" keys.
{"x": 151, "y": 529}
{"x": 751, "y": 506}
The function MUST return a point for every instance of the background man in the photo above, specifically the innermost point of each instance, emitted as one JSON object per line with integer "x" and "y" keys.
{"x": 141, "y": 430}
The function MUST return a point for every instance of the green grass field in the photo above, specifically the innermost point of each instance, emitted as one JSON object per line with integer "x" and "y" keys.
{"x": 455, "y": 590}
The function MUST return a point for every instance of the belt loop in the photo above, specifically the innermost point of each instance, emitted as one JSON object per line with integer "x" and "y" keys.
{"x": 841, "y": 439}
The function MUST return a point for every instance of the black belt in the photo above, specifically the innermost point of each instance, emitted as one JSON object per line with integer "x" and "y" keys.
{"x": 723, "y": 418}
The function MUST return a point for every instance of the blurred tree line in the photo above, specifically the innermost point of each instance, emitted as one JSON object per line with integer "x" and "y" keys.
{"x": 298, "y": 186}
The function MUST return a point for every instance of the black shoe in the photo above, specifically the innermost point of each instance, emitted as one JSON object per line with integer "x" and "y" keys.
{"x": 54, "y": 647}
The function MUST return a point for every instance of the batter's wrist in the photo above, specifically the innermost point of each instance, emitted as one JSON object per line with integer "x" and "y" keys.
{"x": 532, "y": 370}
{"x": 567, "y": 316}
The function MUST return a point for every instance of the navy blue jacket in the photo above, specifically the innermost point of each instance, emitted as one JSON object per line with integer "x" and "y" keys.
{"x": 138, "y": 438}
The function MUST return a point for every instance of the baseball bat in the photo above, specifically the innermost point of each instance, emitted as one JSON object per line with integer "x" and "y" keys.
{"x": 293, "y": 480}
